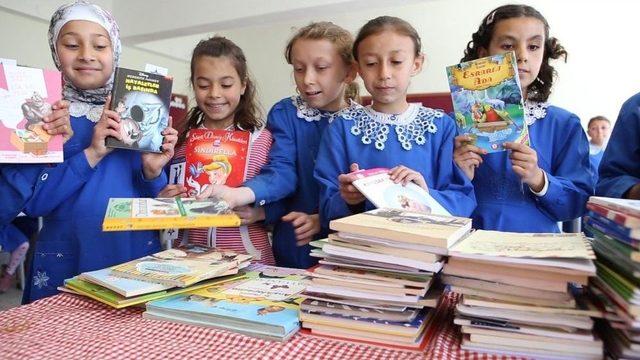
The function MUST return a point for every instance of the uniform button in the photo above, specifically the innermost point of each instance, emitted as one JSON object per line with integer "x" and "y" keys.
{"x": 262, "y": 202}
{"x": 44, "y": 176}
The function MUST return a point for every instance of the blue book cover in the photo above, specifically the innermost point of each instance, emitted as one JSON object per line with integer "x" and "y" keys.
{"x": 621, "y": 229}
{"x": 613, "y": 232}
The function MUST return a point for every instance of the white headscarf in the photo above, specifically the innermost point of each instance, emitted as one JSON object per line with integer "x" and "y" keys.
{"x": 85, "y": 102}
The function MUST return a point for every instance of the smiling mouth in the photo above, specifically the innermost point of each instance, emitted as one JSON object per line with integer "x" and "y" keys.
{"x": 312, "y": 93}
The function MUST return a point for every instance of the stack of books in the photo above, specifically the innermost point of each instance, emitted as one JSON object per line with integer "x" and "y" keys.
{"x": 520, "y": 294}
{"x": 375, "y": 280}
{"x": 264, "y": 304}
{"x": 615, "y": 227}
{"x": 160, "y": 275}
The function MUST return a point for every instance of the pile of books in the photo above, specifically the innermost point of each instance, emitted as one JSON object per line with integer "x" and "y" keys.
{"x": 520, "y": 294}
{"x": 160, "y": 275}
{"x": 615, "y": 227}
{"x": 375, "y": 280}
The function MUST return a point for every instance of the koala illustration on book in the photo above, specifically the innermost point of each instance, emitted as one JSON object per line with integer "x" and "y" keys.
{"x": 34, "y": 109}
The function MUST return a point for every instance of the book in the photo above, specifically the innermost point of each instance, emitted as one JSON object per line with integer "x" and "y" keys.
{"x": 123, "y": 286}
{"x": 215, "y": 157}
{"x": 319, "y": 306}
{"x": 398, "y": 328}
{"x": 586, "y": 310}
{"x": 142, "y": 100}
{"x": 628, "y": 221}
{"x": 376, "y": 185}
{"x": 488, "y": 101}
{"x": 182, "y": 266}
{"x": 124, "y": 214}
{"x": 337, "y": 240}
{"x": 528, "y": 317}
{"x": 626, "y": 206}
{"x": 26, "y": 97}
{"x": 405, "y": 226}
{"x": 615, "y": 229}
{"x": 500, "y": 288}
{"x": 523, "y": 328}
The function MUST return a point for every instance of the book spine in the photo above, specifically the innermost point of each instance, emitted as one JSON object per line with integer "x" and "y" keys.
{"x": 620, "y": 218}
{"x": 612, "y": 225}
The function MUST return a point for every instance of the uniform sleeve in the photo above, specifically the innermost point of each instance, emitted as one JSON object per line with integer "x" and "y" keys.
{"x": 16, "y": 188}
{"x": 620, "y": 165}
{"x": 451, "y": 188}
{"x": 274, "y": 211}
{"x": 277, "y": 179}
{"x": 150, "y": 187}
{"x": 571, "y": 180}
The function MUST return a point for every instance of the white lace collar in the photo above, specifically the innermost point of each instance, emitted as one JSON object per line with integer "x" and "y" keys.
{"x": 92, "y": 112}
{"x": 310, "y": 114}
{"x": 534, "y": 110}
{"x": 410, "y": 126}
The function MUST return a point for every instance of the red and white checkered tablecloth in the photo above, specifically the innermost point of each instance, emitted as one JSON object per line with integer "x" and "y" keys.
{"x": 72, "y": 327}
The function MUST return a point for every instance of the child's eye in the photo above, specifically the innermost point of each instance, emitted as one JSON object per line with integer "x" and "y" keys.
{"x": 370, "y": 64}
{"x": 534, "y": 47}
{"x": 70, "y": 46}
{"x": 298, "y": 69}
{"x": 321, "y": 68}
{"x": 506, "y": 47}
{"x": 226, "y": 86}
{"x": 100, "y": 47}
{"x": 396, "y": 62}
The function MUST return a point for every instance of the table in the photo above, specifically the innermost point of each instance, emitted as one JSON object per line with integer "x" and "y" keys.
{"x": 68, "y": 326}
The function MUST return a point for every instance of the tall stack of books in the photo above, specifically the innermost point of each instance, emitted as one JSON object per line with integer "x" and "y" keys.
{"x": 375, "y": 280}
{"x": 518, "y": 294}
{"x": 615, "y": 226}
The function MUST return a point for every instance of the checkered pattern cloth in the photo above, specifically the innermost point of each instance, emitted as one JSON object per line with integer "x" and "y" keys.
{"x": 73, "y": 327}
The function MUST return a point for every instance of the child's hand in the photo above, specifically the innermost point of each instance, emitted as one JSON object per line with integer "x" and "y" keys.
{"x": 466, "y": 156}
{"x": 152, "y": 163}
{"x": 402, "y": 174}
{"x": 349, "y": 193}
{"x": 524, "y": 162}
{"x": 108, "y": 125}
{"x": 58, "y": 122}
{"x": 173, "y": 190}
{"x": 306, "y": 226}
{"x": 250, "y": 214}
{"x": 235, "y": 197}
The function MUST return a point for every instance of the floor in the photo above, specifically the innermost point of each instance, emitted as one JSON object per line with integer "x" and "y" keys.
{"x": 11, "y": 298}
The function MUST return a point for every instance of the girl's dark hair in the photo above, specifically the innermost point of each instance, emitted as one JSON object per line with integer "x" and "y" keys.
{"x": 247, "y": 115}
{"x": 382, "y": 23}
{"x": 339, "y": 37}
{"x": 540, "y": 89}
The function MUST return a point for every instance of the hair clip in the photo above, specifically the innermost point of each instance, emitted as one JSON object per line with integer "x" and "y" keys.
{"x": 490, "y": 18}
{"x": 540, "y": 80}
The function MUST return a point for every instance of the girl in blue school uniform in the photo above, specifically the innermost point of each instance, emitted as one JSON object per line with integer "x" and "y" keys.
{"x": 414, "y": 142}
{"x": 528, "y": 188}
{"x": 323, "y": 70}
{"x": 86, "y": 47}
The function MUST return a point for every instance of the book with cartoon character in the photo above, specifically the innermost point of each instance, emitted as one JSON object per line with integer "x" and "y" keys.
{"x": 488, "y": 102}
{"x": 263, "y": 304}
{"x": 142, "y": 100}
{"x": 124, "y": 214}
{"x": 26, "y": 97}
{"x": 215, "y": 157}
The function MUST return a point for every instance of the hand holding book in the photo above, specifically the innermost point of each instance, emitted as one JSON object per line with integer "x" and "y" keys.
{"x": 153, "y": 163}
{"x": 108, "y": 125}
{"x": 404, "y": 175}
{"x": 58, "y": 122}
{"x": 524, "y": 162}
{"x": 348, "y": 192}
{"x": 466, "y": 155}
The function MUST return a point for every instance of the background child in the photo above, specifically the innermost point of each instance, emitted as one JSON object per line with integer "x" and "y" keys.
{"x": 86, "y": 47}
{"x": 323, "y": 70}
{"x": 528, "y": 188}
{"x": 598, "y": 129}
{"x": 415, "y": 142}
{"x": 226, "y": 99}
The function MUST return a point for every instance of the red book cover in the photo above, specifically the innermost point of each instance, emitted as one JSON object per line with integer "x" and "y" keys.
{"x": 216, "y": 157}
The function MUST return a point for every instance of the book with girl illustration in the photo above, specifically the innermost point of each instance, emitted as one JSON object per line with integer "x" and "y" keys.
{"x": 488, "y": 101}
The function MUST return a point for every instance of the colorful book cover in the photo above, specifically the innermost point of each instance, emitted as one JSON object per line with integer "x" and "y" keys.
{"x": 488, "y": 102}
{"x": 627, "y": 206}
{"x": 215, "y": 157}
{"x": 26, "y": 96}
{"x": 124, "y": 214}
{"x": 376, "y": 185}
{"x": 182, "y": 266}
{"x": 142, "y": 101}
{"x": 123, "y": 286}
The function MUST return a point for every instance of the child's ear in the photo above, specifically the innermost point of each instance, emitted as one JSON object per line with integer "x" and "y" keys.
{"x": 482, "y": 52}
{"x": 417, "y": 64}
{"x": 352, "y": 73}
{"x": 244, "y": 87}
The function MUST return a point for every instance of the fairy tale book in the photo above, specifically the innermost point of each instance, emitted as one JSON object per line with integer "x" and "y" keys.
{"x": 487, "y": 101}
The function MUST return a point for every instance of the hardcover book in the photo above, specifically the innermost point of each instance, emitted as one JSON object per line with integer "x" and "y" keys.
{"x": 488, "y": 102}
{"x": 26, "y": 97}
{"x": 142, "y": 100}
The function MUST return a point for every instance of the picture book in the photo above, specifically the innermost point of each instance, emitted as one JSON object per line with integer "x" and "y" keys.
{"x": 488, "y": 102}
{"x": 215, "y": 157}
{"x": 123, "y": 286}
{"x": 142, "y": 100}
{"x": 124, "y": 214}
{"x": 182, "y": 266}
{"x": 26, "y": 97}
{"x": 376, "y": 185}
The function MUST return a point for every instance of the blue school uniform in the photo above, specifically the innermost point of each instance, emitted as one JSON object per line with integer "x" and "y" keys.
{"x": 71, "y": 240}
{"x": 286, "y": 183}
{"x": 506, "y": 204}
{"x": 620, "y": 166}
{"x": 16, "y": 187}
{"x": 420, "y": 138}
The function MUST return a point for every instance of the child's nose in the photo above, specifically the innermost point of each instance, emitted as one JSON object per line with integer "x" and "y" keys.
{"x": 521, "y": 53}
{"x": 86, "y": 53}
{"x": 309, "y": 77}
{"x": 215, "y": 92}
{"x": 385, "y": 71}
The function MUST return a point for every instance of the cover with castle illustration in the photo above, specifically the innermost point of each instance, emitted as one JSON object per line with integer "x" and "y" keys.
{"x": 488, "y": 102}
{"x": 142, "y": 101}
{"x": 26, "y": 96}
{"x": 217, "y": 157}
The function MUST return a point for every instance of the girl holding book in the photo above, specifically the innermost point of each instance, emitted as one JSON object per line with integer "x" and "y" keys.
{"x": 528, "y": 188}
{"x": 85, "y": 46}
{"x": 323, "y": 70}
{"x": 415, "y": 142}
{"x": 226, "y": 100}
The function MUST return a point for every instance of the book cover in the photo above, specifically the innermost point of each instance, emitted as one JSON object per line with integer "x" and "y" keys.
{"x": 123, "y": 286}
{"x": 377, "y": 187}
{"x": 488, "y": 102}
{"x": 215, "y": 157}
{"x": 182, "y": 266}
{"x": 124, "y": 214}
{"x": 26, "y": 96}
{"x": 616, "y": 229}
{"x": 619, "y": 217}
{"x": 142, "y": 100}
{"x": 627, "y": 206}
